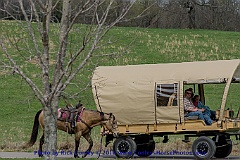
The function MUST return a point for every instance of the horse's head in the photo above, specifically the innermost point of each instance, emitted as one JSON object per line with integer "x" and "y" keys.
{"x": 111, "y": 124}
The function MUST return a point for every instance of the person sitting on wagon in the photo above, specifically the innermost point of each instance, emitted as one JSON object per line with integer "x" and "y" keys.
{"x": 197, "y": 103}
{"x": 191, "y": 110}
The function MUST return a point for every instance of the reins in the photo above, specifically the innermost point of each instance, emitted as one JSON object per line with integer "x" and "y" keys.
{"x": 100, "y": 150}
{"x": 103, "y": 133}
{"x": 102, "y": 116}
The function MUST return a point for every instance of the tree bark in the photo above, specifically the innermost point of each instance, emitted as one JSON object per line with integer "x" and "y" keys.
{"x": 50, "y": 129}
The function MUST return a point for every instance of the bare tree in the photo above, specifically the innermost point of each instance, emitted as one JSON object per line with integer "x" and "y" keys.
{"x": 204, "y": 14}
{"x": 56, "y": 63}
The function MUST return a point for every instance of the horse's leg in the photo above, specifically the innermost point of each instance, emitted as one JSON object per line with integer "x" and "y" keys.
{"x": 89, "y": 139}
{"x": 40, "y": 154}
{"x": 77, "y": 141}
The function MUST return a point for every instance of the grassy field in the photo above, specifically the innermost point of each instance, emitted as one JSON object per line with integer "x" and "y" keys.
{"x": 18, "y": 106}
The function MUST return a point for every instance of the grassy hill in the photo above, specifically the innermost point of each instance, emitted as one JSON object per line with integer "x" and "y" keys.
{"x": 18, "y": 105}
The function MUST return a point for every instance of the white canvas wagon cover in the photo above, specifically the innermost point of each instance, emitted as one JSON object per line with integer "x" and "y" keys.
{"x": 129, "y": 91}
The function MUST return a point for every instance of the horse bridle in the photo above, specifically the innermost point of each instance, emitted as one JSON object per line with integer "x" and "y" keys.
{"x": 110, "y": 116}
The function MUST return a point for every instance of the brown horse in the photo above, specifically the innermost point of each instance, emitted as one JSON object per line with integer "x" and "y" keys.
{"x": 89, "y": 119}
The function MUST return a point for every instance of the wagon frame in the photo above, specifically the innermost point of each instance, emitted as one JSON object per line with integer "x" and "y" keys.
{"x": 142, "y": 96}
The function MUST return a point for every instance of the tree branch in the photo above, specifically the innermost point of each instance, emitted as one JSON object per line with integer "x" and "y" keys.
{"x": 17, "y": 69}
{"x": 31, "y": 32}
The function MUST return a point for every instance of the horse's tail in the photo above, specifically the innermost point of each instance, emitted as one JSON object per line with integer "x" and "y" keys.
{"x": 34, "y": 131}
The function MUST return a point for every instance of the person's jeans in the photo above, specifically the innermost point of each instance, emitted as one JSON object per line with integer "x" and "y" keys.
{"x": 210, "y": 113}
{"x": 201, "y": 116}
{"x": 196, "y": 113}
{"x": 207, "y": 114}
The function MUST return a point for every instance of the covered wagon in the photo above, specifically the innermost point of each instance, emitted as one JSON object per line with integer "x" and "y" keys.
{"x": 147, "y": 101}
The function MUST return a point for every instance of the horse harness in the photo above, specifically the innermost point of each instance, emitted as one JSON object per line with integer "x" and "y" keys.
{"x": 101, "y": 115}
{"x": 71, "y": 116}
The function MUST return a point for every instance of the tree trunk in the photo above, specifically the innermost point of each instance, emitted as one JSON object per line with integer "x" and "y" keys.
{"x": 50, "y": 129}
{"x": 191, "y": 14}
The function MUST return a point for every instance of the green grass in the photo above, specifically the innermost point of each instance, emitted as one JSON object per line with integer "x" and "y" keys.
{"x": 18, "y": 105}
{"x": 20, "y": 158}
{"x": 43, "y": 158}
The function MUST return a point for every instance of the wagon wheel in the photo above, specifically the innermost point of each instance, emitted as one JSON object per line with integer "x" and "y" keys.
{"x": 124, "y": 147}
{"x": 224, "y": 146}
{"x": 203, "y": 148}
{"x": 145, "y": 145}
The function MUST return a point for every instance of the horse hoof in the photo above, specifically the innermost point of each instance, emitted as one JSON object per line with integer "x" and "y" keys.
{"x": 40, "y": 155}
{"x": 76, "y": 156}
